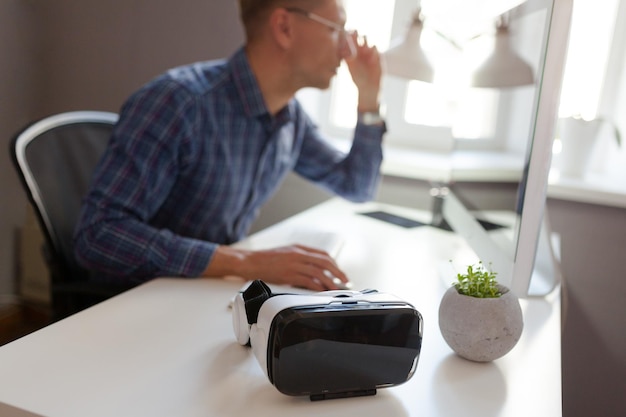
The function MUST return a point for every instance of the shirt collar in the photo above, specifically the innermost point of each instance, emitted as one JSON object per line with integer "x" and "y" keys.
{"x": 250, "y": 93}
{"x": 247, "y": 85}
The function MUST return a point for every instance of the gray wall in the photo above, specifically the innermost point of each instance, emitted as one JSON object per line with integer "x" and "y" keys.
{"x": 593, "y": 250}
{"x": 18, "y": 89}
{"x": 96, "y": 52}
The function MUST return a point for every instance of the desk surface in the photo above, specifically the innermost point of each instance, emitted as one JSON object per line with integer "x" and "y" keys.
{"x": 167, "y": 349}
{"x": 602, "y": 189}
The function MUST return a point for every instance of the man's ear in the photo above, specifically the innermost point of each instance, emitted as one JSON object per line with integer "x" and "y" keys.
{"x": 281, "y": 27}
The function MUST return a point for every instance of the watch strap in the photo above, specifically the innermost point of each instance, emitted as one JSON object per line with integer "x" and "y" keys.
{"x": 371, "y": 118}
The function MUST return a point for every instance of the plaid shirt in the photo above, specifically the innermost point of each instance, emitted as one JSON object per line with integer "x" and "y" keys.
{"x": 193, "y": 157}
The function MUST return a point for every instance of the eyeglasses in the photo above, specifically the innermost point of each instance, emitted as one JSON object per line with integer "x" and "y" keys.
{"x": 339, "y": 31}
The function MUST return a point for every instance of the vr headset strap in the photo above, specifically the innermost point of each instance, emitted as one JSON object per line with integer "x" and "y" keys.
{"x": 254, "y": 296}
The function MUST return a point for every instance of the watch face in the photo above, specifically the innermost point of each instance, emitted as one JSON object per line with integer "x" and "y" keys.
{"x": 335, "y": 349}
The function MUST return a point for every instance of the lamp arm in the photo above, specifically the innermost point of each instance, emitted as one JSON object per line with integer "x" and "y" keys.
{"x": 447, "y": 38}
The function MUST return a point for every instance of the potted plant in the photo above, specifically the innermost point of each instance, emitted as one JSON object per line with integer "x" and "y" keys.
{"x": 480, "y": 319}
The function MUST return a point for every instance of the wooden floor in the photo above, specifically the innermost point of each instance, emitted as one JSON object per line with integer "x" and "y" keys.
{"x": 17, "y": 320}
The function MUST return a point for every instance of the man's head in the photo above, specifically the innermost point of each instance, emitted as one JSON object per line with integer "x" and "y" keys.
{"x": 307, "y": 34}
{"x": 254, "y": 13}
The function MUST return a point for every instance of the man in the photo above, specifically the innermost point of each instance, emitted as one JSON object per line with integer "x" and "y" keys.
{"x": 197, "y": 151}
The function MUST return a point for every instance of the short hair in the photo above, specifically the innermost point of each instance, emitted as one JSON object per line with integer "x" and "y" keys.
{"x": 254, "y": 12}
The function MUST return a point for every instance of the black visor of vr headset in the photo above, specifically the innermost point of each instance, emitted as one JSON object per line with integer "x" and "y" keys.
{"x": 332, "y": 344}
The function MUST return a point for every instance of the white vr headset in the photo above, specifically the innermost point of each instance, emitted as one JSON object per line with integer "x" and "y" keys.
{"x": 331, "y": 344}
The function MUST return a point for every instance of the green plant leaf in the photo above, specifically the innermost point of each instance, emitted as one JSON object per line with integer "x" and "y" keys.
{"x": 478, "y": 282}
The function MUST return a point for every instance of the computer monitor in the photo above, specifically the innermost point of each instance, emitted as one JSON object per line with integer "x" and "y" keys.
{"x": 526, "y": 265}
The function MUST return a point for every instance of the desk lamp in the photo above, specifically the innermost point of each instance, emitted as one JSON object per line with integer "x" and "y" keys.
{"x": 503, "y": 68}
{"x": 405, "y": 58}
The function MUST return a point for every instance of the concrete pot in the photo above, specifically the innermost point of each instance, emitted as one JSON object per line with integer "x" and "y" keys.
{"x": 480, "y": 329}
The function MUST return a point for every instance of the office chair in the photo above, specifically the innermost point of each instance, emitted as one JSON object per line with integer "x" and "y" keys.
{"x": 55, "y": 158}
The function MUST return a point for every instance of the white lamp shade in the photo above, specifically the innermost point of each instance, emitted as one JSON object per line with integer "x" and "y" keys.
{"x": 405, "y": 58}
{"x": 503, "y": 68}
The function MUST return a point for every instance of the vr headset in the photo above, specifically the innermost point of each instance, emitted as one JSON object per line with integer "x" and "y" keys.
{"x": 331, "y": 344}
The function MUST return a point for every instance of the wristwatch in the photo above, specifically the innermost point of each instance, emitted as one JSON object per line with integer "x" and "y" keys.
{"x": 371, "y": 118}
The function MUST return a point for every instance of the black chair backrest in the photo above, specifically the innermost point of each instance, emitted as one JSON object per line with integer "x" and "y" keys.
{"x": 56, "y": 157}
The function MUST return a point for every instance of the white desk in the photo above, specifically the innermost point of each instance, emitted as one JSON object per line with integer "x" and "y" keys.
{"x": 167, "y": 349}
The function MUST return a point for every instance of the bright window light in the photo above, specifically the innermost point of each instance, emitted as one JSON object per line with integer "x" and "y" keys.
{"x": 471, "y": 113}
{"x": 361, "y": 14}
{"x": 589, "y": 46}
{"x": 446, "y": 103}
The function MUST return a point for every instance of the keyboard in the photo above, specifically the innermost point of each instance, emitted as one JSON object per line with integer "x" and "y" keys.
{"x": 325, "y": 240}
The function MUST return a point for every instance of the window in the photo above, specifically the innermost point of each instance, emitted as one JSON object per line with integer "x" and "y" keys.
{"x": 447, "y": 113}
{"x": 586, "y": 69}
{"x": 421, "y": 115}
{"x": 591, "y": 37}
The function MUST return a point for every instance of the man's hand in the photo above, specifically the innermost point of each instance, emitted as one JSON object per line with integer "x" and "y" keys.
{"x": 296, "y": 265}
{"x": 366, "y": 71}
